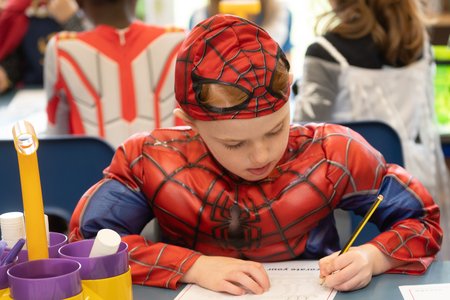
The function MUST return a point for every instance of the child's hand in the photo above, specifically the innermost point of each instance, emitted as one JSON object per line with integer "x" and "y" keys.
{"x": 230, "y": 275}
{"x": 353, "y": 270}
{"x": 350, "y": 271}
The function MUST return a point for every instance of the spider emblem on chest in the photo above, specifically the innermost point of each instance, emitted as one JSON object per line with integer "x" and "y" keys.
{"x": 239, "y": 223}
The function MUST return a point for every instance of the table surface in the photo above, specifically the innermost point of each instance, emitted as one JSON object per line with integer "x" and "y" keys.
{"x": 381, "y": 287}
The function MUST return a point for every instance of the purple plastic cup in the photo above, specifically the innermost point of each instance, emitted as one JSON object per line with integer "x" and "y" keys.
{"x": 56, "y": 241}
{"x": 3, "y": 276}
{"x": 96, "y": 267}
{"x": 52, "y": 279}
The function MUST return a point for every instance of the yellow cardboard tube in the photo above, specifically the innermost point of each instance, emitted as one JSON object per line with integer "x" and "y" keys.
{"x": 26, "y": 144}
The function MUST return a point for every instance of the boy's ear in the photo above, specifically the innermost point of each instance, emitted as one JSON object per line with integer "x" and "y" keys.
{"x": 180, "y": 113}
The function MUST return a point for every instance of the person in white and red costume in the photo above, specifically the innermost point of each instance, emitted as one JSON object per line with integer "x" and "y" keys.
{"x": 114, "y": 80}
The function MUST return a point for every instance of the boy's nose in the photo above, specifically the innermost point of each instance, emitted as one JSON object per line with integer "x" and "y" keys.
{"x": 260, "y": 155}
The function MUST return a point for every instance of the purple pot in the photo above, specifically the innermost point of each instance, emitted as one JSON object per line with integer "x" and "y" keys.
{"x": 52, "y": 279}
{"x": 96, "y": 267}
{"x": 56, "y": 241}
{"x": 3, "y": 276}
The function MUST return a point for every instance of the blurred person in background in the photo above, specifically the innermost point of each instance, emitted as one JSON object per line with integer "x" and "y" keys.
{"x": 272, "y": 15}
{"x": 374, "y": 62}
{"x": 25, "y": 28}
{"x": 114, "y": 80}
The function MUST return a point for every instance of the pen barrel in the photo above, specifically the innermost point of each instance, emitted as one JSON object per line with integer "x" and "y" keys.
{"x": 361, "y": 224}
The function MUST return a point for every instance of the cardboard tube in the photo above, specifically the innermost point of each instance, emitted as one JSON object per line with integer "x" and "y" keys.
{"x": 26, "y": 144}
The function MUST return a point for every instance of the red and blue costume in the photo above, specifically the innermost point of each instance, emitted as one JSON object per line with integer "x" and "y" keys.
{"x": 202, "y": 208}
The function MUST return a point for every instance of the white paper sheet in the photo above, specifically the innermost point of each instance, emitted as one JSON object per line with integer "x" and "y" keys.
{"x": 293, "y": 280}
{"x": 439, "y": 291}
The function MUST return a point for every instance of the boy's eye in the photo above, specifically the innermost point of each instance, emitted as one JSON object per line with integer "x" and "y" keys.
{"x": 277, "y": 131}
{"x": 234, "y": 146}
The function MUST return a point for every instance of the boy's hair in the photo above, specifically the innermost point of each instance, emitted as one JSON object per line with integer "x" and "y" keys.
{"x": 396, "y": 26}
{"x": 219, "y": 95}
{"x": 229, "y": 68}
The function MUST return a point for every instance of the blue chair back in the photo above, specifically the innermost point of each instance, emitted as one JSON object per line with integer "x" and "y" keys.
{"x": 382, "y": 137}
{"x": 68, "y": 166}
{"x": 386, "y": 140}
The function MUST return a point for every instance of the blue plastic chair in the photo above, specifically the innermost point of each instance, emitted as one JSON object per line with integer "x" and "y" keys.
{"x": 386, "y": 140}
{"x": 382, "y": 137}
{"x": 68, "y": 166}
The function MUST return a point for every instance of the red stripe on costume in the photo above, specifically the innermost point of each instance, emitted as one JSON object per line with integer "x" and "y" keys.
{"x": 77, "y": 124}
{"x": 129, "y": 111}
{"x": 134, "y": 45}
{"x": 51, "y": 109}
{"x": 161, "y": 82}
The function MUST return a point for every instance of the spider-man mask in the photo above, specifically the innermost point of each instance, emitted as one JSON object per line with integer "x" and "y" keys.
{"x": 229, "y": 51}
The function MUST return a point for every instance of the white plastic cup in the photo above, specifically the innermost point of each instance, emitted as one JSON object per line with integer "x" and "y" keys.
{"x": 106, "y": 242}
{"x": 13, "y": 227}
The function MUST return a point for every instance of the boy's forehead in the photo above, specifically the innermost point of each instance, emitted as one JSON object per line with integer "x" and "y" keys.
{"x": 227, "y": 50}
{"x": 243, "y": 129}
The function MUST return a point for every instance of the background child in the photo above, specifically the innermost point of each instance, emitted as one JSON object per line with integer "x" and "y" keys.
{"x": 114, "y": 80}
{"x": 274, "y": 17}
{"x": 241, "y": 186}
{"x": 25, "y": 28}
{"x": 374, "y": 62}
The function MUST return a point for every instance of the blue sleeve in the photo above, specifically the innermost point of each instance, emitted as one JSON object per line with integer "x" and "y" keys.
{"x": 399, "y": 204}
{"x": 116, "y": 207}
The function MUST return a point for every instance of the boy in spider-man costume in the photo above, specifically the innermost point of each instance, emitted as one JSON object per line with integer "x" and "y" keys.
{"x": 242, "y": 186}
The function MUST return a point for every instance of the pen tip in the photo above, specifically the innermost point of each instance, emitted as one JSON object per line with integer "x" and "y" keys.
{"x": 322, "y": 280}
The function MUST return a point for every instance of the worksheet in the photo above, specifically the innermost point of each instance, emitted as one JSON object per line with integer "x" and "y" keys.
{"x": 439, "y": 291}
{"x": 293, "y": 280}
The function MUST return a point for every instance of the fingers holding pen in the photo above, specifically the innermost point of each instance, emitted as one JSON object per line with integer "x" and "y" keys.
{"x": 349, "y": 271}
{"x": 326, "y": 265}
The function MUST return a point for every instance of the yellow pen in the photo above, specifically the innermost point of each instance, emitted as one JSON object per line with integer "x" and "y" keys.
{"x": 362, "y": 224}
{"x": 358, "y": 229}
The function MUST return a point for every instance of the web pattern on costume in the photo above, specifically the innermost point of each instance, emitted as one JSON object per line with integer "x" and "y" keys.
{"x": 244, "y": 217}
{"x": 210, "y": 65}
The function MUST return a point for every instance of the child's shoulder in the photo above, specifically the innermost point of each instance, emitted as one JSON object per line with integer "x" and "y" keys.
{"x": 316, "y": 129}
{"x": 173, "y": 133}
{"x": 67, "y": 35}
{"x": 162, "y": 135}
{"x": 152, "y": 27}
{"x": 179, "y": 139}
{"x": 326, "y": 134}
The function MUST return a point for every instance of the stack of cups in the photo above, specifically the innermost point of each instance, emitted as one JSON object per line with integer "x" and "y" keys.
{"x": 13, "y": 227}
